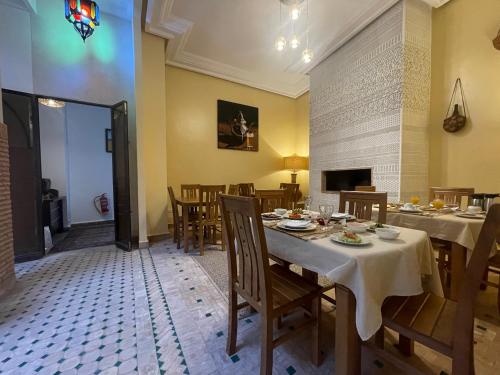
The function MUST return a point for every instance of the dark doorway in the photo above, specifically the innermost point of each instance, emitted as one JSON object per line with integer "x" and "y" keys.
{"x": 21, "y": 118}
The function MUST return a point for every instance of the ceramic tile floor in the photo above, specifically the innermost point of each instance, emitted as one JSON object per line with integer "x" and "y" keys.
{"x": 154, "y": 311}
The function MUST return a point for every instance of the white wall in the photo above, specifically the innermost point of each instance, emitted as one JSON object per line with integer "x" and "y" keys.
{"x": 90, "y": 168}
{"x": 15, "y": 49}
{"x": 53, "y": 147}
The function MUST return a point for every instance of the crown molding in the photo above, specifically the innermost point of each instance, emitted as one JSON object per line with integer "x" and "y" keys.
{"x": 436, "y": 3}
{"x": 27, "y": 5}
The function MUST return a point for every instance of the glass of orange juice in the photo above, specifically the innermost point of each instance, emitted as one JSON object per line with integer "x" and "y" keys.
{"x": 438, "y": 204}
{"x": 415, "y": 199}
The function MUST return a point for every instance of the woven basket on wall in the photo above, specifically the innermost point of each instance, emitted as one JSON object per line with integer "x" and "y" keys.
{"x": 496, "y": 41}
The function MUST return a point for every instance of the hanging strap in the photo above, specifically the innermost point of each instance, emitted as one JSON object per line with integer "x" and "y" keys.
{"x": 458, "y": 83}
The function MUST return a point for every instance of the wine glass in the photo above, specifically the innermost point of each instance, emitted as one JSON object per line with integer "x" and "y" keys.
{"x": 308, "y": 203}
{"x": 325, "y": 213}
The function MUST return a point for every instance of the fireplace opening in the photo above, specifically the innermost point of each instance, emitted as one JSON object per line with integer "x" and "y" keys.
{"x": 347, "y": 179}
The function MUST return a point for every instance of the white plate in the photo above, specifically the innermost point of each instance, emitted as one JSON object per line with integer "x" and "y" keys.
{"x": 308, "y": 228}
{"x": 410, "y": 211}
{"x": 470, "y": 216}
{"x": 296, "y": 223}
{"x": 364, "y": 241}
{"x": 340, "y": 215}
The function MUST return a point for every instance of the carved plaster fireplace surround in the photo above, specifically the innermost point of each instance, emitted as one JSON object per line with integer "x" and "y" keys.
{"x": 370, "y": 105}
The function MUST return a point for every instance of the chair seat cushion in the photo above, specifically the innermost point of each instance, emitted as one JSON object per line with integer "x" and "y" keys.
{"x": 289, "y": 287}
{"x": 426, "y": 318}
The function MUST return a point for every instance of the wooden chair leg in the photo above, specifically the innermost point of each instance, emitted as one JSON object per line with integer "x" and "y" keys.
{"x": 316, "y": 333}
{"x": 498, "y": 299}
{"x": 405, "y": 346}
{"x": 232, "y": 327}
{"x": 380, "y": 337}
{"x": 201, "y": 239}
{"x": 266, "y": 354}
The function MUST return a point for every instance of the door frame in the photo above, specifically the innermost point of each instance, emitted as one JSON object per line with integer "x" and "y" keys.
{"x": 35, "y": 98}
{"x": 124, "y": 246}
{"x": 35, "y": 135}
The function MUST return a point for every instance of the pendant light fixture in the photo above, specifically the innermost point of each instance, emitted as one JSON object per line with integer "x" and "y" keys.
{"x": 307, "y": 54}
{"x": 280, "y": 43}
{"x": 48, "y": 102}
{"x": 84, "y": 15}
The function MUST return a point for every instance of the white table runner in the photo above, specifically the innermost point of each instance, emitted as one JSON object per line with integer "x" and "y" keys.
{"x": 372, "y": 273}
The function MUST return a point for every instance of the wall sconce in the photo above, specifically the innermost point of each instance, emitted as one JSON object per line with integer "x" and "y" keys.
{"x": 496, "y": 41}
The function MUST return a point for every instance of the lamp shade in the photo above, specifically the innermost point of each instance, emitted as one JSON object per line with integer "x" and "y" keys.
{"x": 296, "y": 163}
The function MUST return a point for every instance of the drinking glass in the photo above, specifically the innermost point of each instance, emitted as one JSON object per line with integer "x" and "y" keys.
{"x": 415, "y": 199}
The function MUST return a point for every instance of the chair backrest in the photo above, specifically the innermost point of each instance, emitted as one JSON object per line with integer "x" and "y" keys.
{"x": 244, "y": 237}
{"x": 291, "y": 194}
{"x": 208, "y": 208}
{"x": 190, "y": 191}
{"x": 173, "y": 204}
{"x": 361, "y": 204}
{"x": 450, "y": 195}
{"x": 246, "y": 189}
{"x": 270, "y": 199}
{"x": 233, "y": 190}
{"x": 365, "y": 188}
{"x": 464, "y": 318}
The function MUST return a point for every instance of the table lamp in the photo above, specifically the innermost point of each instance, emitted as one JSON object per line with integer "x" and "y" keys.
{"x": 296, "y": 163}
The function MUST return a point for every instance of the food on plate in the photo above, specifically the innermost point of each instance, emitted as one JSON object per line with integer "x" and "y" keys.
{"x": 350, "y": 237}
{"x": 297, "y": 211}
{"x": 376, "y": 225}
{"x": 295, "y": 216}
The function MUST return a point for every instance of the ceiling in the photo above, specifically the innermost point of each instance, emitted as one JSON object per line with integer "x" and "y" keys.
{"x": 124, "y": 7}
{"x": 234, "y": 39}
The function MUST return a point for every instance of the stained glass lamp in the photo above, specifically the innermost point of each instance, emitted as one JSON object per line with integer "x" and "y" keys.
{"x": 84, "y": 15}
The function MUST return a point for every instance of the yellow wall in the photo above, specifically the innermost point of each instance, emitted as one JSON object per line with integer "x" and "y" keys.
{"x": 193, "y": 156}
{"x": 462, "y": 47}
{"x": 154, "y": 133}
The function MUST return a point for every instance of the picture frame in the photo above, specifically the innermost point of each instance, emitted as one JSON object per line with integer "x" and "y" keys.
{"x": 237, "y": 126}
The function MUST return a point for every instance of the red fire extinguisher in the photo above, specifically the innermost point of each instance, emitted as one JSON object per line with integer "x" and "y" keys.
{"x": 101, "y": 204}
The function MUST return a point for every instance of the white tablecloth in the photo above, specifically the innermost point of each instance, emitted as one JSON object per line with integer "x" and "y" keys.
{"x": 449, "y": 227}
{"x": 372, "y": 273}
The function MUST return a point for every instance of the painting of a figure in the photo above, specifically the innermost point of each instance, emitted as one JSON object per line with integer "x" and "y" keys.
{"x": 237, "y": 126}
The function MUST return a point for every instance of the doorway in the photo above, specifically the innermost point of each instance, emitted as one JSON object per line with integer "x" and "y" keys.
{"x": 58, "y": 153}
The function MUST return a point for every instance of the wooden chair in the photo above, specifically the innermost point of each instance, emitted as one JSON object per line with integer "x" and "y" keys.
{"x": 365, "y": 188}
{"x": 291, "y": 194}
{"x": 361, "y": 204}
{"x": 190, "y": 191}
{"x": 494, "y": 267}
{"x": 208, "y": 213}
{"x": 270, "y": 199}
{"x": 177, "y": 218}
{"x": 438, "y": 323}
{"x": 233, "y": 190}
{"x": 271, "y": 290}
{"x": 450, "y": 195}
{"x": 246, "y": 189}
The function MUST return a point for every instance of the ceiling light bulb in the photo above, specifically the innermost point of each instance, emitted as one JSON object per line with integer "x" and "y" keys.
{"x": 295, "y": 13}
{"x": 307, "y": 55}
{"x": 280, "y": 43}
{"x": 294, "y": 43}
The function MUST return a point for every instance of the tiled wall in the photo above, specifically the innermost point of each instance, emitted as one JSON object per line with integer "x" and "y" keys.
{"x": 365, "y": 108}
{"x": 7, "y": 275}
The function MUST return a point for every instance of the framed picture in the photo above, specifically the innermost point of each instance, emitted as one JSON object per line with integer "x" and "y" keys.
{"x": 237, "y": 126}
{"x": 109, "y": 141}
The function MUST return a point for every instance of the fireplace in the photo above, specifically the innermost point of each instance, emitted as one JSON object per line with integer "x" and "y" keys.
{"x": 346, "y": 179}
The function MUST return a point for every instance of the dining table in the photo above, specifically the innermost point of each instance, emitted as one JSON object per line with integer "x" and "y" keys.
{"x": 364, "y": 277}
{"x": 461, "y": 232}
